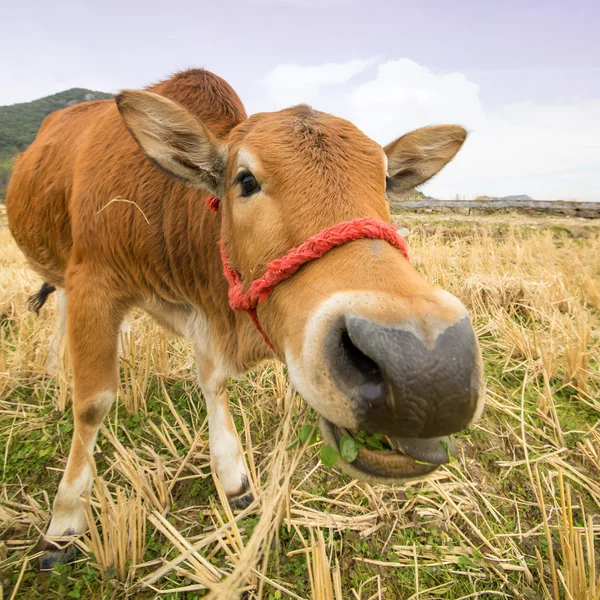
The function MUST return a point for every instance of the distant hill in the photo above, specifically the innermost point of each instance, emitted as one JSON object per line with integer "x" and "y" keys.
{"x": 19, "y": 124}
{"x": 414, "y": 194}
{"x": 521, "y": 197}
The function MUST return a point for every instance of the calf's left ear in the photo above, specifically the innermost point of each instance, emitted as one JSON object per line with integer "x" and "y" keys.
{"x": 419, "y": 155}
{"x": 174, "y": 139}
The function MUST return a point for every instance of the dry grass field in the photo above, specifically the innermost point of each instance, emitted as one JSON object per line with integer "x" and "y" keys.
{"x": 517, "y": 515}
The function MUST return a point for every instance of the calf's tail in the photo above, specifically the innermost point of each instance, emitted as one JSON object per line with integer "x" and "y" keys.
{"x": 35, "y": 302}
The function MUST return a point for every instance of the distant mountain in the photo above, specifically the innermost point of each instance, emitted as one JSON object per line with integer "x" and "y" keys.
{"x": 19, "y": 124}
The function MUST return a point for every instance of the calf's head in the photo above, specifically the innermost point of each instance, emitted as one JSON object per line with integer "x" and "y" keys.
{"x": 370, "y": 345}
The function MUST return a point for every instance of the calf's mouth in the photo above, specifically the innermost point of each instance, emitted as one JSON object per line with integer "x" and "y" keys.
{"x": 396, "y": 459}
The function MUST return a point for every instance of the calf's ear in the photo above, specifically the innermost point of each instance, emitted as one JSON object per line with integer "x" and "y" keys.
{"x": 174, "y": 139}
{"x": 419, "y": 155}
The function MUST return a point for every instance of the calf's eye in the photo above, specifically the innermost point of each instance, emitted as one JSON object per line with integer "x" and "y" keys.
{"x": 248, "y": 184}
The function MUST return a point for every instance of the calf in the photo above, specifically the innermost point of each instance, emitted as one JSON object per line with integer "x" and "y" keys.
{"x": 296, "y": 260}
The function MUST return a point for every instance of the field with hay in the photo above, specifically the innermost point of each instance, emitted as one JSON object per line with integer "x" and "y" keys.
{"x": 517, "y": 515}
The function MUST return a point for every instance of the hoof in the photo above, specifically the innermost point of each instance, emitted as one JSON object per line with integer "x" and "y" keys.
{"x": 242, "y": 501}
{"x": 244, "y": 498}
{"x": 56, "y": 555}
{"x": 50, "y": 559}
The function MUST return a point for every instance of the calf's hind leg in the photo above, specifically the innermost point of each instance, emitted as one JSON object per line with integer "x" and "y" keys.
{"x": 53, "y": 357}
{"x": 94, "y": 316}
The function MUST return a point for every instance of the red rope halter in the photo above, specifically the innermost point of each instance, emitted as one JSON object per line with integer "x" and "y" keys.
{"x": 280, "y": 269}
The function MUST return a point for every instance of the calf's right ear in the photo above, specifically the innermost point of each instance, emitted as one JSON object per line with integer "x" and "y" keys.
{"x": 174, "y": 139}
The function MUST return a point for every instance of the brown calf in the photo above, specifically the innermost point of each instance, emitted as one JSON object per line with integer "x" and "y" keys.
{"x": 369, "y": 344}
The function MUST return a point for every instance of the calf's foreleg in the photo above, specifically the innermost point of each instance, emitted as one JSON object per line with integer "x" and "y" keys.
{"x": 226, "y": 456}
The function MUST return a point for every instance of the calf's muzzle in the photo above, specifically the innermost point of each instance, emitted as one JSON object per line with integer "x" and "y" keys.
{"x": 402, "y": 383}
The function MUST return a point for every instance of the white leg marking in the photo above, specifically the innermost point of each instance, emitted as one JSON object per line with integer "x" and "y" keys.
{"x": 68, "y": 513}
{"x": 226, "y": 457}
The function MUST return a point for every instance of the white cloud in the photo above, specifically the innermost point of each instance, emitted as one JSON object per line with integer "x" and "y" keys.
{"x": 546, "y": 151}
{"x": 405, "y": 95}
{"x": 287, "y": 85}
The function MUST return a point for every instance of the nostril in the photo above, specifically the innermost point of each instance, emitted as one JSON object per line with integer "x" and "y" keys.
{"x": 355, "y": 371}
{"x": 355, "y": 357}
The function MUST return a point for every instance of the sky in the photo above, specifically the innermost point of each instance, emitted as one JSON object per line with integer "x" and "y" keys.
{"x": 522, "y": 76}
